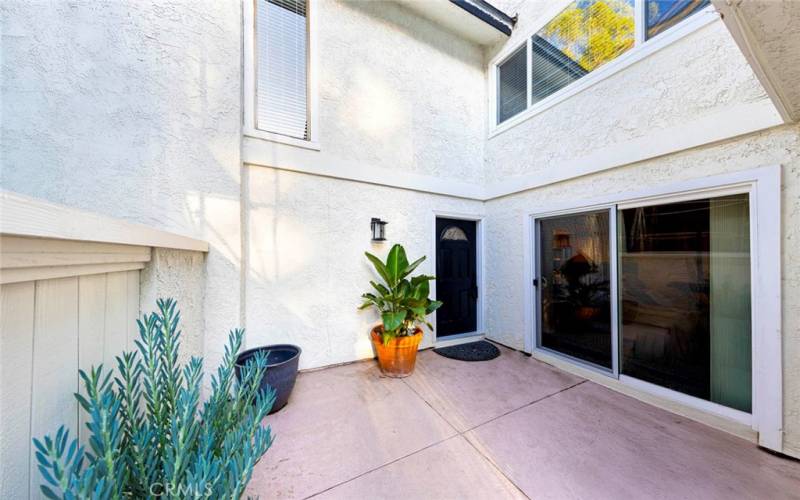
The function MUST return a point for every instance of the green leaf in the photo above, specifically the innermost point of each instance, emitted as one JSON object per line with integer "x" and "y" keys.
{"x": 48, "y": 492}
{"x": 380, "y": 267}
{"x": 421, "y": 278}
{"x": 403, "y": 290}
{"x": 410, "y": 268}
{"x": 422, "y": 290}
{"x": 380, "y": 288}
{"x": 434, "y": 305}
{"x": 392, "y": 320}
{"x": 396, "y": 264}
{"x": 371, "y": 300}
{"x": 419, "y": 311}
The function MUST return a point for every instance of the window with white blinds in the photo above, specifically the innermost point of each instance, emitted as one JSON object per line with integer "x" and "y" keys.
{"x": 512, "y": 84}
{"x": 584, "y": 36}
{"x": 281, "y": 67}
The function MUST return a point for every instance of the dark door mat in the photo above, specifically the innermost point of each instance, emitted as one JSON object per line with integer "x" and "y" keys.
{"x": 473, "y": 351}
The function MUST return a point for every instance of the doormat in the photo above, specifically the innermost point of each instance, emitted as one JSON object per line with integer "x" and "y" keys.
{"x": 473, "y": 351}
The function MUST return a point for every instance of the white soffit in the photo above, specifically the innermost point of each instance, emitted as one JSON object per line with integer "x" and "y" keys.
{"x": 455, "y": 19}
{"x": 768, "y": 34}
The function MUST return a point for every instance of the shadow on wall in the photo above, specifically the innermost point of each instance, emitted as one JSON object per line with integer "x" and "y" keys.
{"x": 391, "y": 16}
{"x": 289, "y": 251}
{"x": 131, "y": 109}
{"x": 105, "y": 90}
{"x": 305, "y": 241}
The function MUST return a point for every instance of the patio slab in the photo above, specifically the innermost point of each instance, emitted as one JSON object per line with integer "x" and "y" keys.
{"x": 350, "y": 433}
{"x": 451, "y": 469}
{"x": 468, "y": 394}
{"x": 340, "y": 423}
{"x": 591, "y": 442}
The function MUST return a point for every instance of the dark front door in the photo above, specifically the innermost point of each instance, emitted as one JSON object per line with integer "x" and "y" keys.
{"x": 456, "y": 277}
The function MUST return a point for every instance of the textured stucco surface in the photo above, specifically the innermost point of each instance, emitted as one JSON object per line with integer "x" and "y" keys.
{"x": 775, "y": 25}
{"x": 179, "y": 275}
{"x": 505, "y": 257}
{"x": 131, "y": 109}
{"x": 306, "y": 267}
{"x": 700, "y": 75}
{"x": 397, "y": 94}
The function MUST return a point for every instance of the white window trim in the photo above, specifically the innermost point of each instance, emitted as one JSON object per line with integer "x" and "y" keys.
{"x": 763, "y": 185}
{"x": 249, "y": 53}
{"x": 641, "y": 49}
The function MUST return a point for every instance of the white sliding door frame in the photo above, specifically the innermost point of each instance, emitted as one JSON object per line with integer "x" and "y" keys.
{"x": 763, "y": 187}
{"x": 613, "y": 290}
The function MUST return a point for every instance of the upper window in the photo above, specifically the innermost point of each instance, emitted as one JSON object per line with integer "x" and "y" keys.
{"x": 581, "y": 38}
{"x": 281, "y": 68}
{"x": 511, "y": 90}
{"x": 664, "y": 14}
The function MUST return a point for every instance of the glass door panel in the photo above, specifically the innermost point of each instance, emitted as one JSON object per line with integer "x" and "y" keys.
{"x": 685, "y": 297}
{"x": 574, "y": 291}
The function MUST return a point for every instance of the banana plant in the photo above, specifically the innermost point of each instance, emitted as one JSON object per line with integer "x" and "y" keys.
{"x": 401, "y": 300}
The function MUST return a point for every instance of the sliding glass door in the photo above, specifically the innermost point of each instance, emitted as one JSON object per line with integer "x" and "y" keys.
{"x": 575, "y": 286}
{"x": 683, "y": 299}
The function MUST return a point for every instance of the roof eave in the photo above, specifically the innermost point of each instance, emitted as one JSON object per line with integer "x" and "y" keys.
{"x": 489, "y": 14}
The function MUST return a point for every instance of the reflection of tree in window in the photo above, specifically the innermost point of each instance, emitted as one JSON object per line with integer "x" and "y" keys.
{"x": 585, "y": 35}
{"x": 592, "y": 32}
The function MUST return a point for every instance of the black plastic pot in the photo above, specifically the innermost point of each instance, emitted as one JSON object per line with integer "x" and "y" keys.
{"x": 281, "y": 373}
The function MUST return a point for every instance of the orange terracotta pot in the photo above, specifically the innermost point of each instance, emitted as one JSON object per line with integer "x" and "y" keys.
{"x": 398, "y": 357}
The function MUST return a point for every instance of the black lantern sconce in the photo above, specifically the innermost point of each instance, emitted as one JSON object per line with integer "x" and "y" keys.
{"x": 378, "y": 229}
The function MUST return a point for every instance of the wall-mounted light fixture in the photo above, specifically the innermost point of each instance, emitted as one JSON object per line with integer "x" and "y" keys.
{"x": 378, "y": 229}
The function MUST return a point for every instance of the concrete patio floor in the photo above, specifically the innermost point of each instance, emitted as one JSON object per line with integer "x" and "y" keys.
{"x": 512, "y": 427}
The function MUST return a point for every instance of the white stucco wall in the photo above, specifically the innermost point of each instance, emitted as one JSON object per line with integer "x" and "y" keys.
{"x": 701, "y": 75}
{"x": 306, "y": 267}
{"x": 505, "y": 256}
{"x": 775, "y": 28}
{"x": 132, "y": 109}
{"x": 397, "y": 94}
{"x": 181, "y": 275}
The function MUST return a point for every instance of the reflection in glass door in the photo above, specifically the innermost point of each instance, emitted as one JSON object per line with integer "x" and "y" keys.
{"x": 574, "y": 286}
{"x": 685, "y": 293}
{"x": 677, "y": 274}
